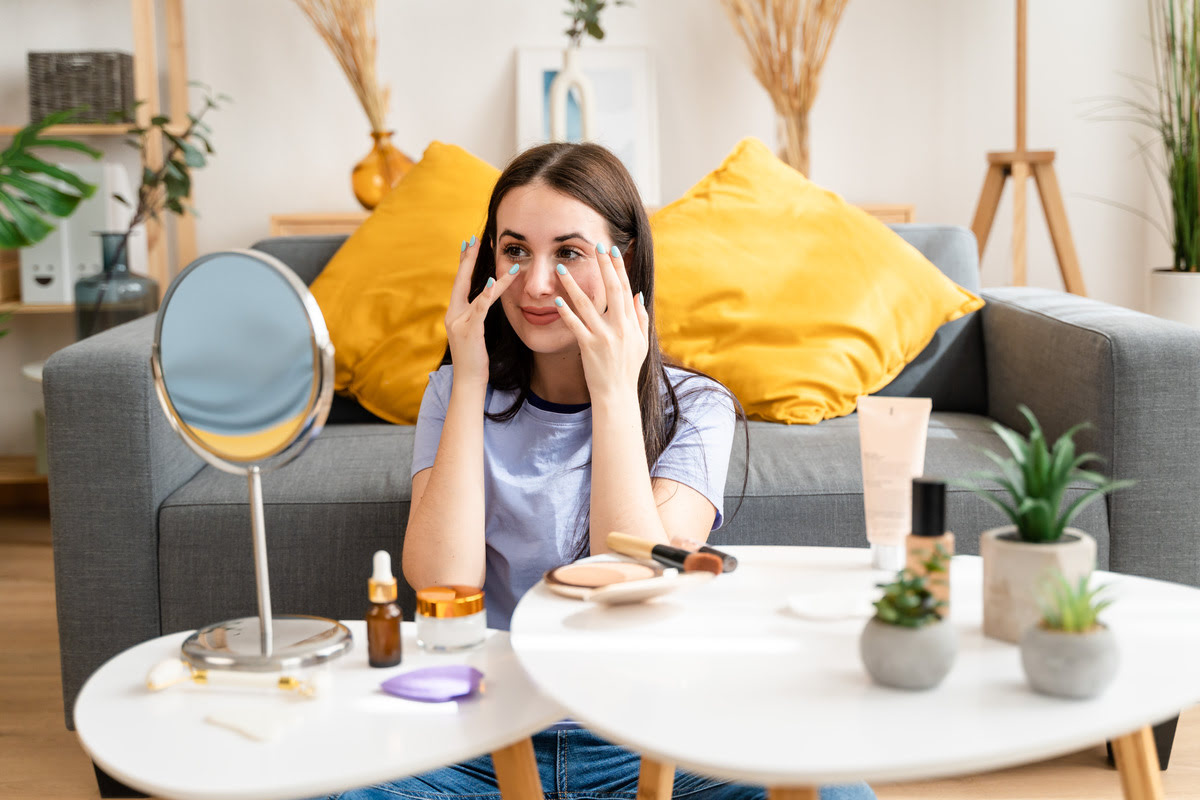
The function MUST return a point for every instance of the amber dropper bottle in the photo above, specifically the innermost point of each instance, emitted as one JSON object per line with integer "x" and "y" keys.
{"x": 383, "y": 617}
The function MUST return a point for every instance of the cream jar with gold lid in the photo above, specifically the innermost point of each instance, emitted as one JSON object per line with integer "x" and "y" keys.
{"x": 450, "y": 618}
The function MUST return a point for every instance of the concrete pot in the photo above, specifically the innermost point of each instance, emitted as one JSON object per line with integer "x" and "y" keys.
{"x": 908, "y": 658}
{"x": 1175, "y": 296}
{"x": 1074, "y": 665}
{"x": 1014, "y": 572}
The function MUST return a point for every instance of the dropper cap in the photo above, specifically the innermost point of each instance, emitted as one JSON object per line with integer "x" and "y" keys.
{"x": 381, "y": 588}
{"x": 928, "y": 507}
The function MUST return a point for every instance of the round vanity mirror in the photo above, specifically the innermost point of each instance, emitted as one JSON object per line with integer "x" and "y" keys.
{"x": 243, "y": 368}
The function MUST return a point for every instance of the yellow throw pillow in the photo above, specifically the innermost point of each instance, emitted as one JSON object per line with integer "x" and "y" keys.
{"x": 794, "y": 299}
{"x": 384, "y": 293}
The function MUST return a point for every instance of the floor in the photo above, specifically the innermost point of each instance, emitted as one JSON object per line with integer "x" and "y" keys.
{"x": 39, "y": 758}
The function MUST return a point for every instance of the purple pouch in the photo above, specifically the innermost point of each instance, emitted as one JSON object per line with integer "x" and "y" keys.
{"x": 435, "y": 684}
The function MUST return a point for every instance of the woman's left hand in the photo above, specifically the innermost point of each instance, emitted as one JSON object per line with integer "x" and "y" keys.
{"x": 613, "y": 341}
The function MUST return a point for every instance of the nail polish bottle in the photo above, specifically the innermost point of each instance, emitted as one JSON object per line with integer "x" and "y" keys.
{"x": 928, "y": 534}
{"x": 383, "y": 617}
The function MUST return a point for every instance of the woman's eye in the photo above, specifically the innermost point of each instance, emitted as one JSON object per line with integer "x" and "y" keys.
{"x": 569, "y": 252}
{"x": 513, "y": 251}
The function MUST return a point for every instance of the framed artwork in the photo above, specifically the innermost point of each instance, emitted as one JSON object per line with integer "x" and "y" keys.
{"x": 627, "y": 114}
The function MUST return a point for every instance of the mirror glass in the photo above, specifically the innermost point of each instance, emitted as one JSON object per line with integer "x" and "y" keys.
{"x": 238, "y": 357}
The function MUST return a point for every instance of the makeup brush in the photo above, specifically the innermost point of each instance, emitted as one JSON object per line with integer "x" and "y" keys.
{"x": 692, "y": 546}
{"x": 664, "y": 554}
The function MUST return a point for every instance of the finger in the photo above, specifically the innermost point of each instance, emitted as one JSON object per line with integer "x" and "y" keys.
{"x": 466, "y": 266}
{"x": 643, "y": 316}
{"x": 492, "y": 291}
{"x": 571, "y": 320}
{"x": 618, "y": 259}
{"x": 584, "y": 307}
{"x": 612, "y": 283}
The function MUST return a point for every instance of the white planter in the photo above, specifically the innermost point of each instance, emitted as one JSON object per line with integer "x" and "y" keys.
{"x": 1175, "y": 296}
{"x": 1015, "y": 571}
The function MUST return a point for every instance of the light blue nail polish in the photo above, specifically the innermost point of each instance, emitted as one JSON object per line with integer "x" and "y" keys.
{"x": 472, "y": 241}
{"x": 558, "y": 302}
{"x": 463, "y": 249}
{"x": 615, "y": 252}
{"x": 561, "y": 269}
{"x": 515, "y": 269}
{"x": 491, "y": 282}
{"x": 642, "y": 299}
{"x": 599, "y": 247}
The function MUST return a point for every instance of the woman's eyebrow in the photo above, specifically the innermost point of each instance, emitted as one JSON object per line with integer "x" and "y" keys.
{"x": 563, "y": 238}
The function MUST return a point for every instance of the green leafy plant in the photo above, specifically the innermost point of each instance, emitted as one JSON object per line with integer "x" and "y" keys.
{"x": 907, "y": 601}
{"x": 1036, "y": 478}
{"x": 4, "y": 318}
{"x": 31, "y": 188}
{"x": 166, "y": 188}
{"x": 585, "y": 18}
{"x": 1072, "y": 608}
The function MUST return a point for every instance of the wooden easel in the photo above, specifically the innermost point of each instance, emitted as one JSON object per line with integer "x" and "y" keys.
{"x": 1020, "y": 164}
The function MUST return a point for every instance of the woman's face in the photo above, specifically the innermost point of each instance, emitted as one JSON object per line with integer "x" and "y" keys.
{"x": 539, "y": 228}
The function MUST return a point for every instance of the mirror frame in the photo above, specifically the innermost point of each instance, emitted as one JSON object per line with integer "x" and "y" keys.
{"x": 318, "y": 406}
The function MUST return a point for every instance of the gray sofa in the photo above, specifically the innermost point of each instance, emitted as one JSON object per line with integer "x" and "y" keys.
{"x": 148, "y": 540}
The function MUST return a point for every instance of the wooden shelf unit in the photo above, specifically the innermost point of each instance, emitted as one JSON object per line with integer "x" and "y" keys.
{"x": 34, "y": 308}
{"x": 19, "y": 470}
{"x": 72, "y": 130}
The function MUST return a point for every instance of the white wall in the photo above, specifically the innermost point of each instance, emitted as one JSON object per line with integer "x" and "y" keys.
{"x": 913, "y": 96}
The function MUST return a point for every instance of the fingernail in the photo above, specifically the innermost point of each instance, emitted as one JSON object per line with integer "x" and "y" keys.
{"x": 472, "y": 241}
{"x": 463, "y": 249}
{"x": 515, "y": 269}
{"x": 561, "y": 269}
{"x": 642, "y": 299}
{"x": 599, "y": 247}
{"x": 615, "y": 252}
{"x": 558, "y": 302}
{"x": 490, "y": 282}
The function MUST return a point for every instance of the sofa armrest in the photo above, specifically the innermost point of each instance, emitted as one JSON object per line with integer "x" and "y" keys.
{"x": 113, "y": 459}
{"x": 1136, "y": 378}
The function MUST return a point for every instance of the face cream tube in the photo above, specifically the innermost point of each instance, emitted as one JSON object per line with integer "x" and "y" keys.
{"x": 891, "y": 433}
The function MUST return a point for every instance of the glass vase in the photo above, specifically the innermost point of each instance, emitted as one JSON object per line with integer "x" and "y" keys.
{"x": 114, "y": 295}
{"x": 382, "y": 169}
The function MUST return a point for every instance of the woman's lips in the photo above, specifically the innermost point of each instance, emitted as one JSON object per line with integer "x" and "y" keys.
{"x": 540, "y": 316}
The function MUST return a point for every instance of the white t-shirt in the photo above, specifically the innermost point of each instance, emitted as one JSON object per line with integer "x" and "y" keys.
{"x": 537, "y": 475}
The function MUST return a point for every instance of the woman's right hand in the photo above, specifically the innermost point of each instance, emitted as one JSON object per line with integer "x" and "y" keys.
{"x": 464, "y": 318}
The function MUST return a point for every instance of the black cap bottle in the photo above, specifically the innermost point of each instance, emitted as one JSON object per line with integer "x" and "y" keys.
{"x": 930, "y": 544}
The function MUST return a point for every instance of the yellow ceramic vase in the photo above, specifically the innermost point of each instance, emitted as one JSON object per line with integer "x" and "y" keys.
{"x": 382, "y": 169}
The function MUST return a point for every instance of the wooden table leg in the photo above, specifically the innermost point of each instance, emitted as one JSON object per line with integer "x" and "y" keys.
{"x": 792, "y": 793}
{"x": 1138, "y": 765}
{"x": 656, "y": 780}
{"x": 517, "y": 772}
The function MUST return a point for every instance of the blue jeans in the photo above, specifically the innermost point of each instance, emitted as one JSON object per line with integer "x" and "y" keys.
{"x": 574, "y": 765}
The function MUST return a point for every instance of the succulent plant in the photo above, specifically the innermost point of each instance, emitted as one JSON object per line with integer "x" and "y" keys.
{"x": 1036, "y": 477}
{"x": 1072, "y": 608}
{"x": 907, "y": 601}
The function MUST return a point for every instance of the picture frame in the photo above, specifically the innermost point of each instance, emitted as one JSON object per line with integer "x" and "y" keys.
{"x": 626, "y": 107}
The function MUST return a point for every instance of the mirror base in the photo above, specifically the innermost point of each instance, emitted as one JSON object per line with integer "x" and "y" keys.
{"x": 298, "y": 642}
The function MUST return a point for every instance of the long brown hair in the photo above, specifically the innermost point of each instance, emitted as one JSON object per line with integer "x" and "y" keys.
{"x": 595, "y": 177}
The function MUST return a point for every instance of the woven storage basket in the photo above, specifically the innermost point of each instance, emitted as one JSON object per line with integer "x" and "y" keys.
{"x": 102, "y": 81}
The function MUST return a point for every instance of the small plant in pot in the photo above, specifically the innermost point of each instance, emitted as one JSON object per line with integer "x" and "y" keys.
{"x": 1018, "y": 557}
{"x": 1070, "y": 653}
{"x": 907, "y": 644}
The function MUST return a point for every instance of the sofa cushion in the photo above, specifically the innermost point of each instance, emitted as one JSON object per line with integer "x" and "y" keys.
{"x": 348, "y": 495}
{"x": 794, "y": 299}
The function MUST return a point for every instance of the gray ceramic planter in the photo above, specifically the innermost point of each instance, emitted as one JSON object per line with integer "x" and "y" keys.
{"x": 1074, "y": 665}
{"x": 908, "y": 658}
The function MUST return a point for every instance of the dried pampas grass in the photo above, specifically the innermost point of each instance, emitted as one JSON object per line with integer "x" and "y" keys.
{"x": 788, "y": 41}
{"x": 348, "y": 28}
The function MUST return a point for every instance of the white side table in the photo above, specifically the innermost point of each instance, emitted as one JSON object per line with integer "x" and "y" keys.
{"x": 356, "y": 735}
{"x": 726, "y": 680}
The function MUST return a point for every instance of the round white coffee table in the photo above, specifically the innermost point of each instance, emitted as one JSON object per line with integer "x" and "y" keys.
{"x": 727, "y": 680}
{"x": 352, "y": 736}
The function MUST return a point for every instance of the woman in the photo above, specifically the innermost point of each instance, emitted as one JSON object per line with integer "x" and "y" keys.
{"x": 555, "y": 422}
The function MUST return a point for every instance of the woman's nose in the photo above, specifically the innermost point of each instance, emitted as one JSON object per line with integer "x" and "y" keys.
{"x": 540, "y": 278}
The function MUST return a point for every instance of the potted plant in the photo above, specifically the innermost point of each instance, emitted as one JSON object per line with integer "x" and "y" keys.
{"x": 1070, "y": 653}
{"x": 1018, "y": 557}
{"x": 116, "y": 295}
{"x": 907, "y": 644}
{"x": 585, "y": 20}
